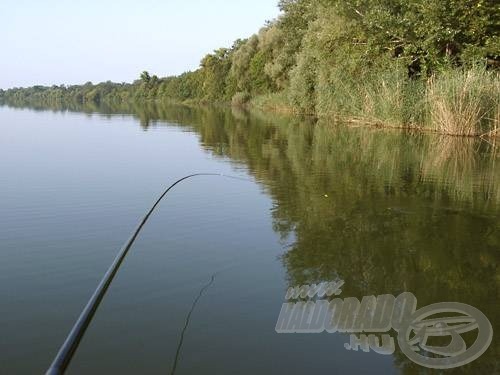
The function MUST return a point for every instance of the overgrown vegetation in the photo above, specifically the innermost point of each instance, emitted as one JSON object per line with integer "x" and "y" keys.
{"x": 404, "y": 63}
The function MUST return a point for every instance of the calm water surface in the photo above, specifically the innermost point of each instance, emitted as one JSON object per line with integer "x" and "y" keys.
{"x": 385, "y": 211}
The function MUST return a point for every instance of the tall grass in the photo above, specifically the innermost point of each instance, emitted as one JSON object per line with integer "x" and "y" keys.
{"x": 389, "y": 97}
{"x": 276, "y": 102}
{"x": 378, "y": 93}
{"x": 455, "y": 101}
{"x": 464, "y": 102}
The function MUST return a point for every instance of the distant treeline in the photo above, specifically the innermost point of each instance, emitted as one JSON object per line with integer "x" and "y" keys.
{"x": 379, "y": 61}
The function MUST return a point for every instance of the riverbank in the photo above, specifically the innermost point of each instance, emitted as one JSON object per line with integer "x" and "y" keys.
{"x": 457, "y": 102}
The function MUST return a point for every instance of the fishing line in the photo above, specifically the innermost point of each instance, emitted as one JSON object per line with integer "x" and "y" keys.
{"x": 70, "y": 345}
{"x": 186, "y": 323}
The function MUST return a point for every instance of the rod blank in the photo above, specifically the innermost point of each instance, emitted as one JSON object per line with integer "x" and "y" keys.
{"x": 68, "y": 348}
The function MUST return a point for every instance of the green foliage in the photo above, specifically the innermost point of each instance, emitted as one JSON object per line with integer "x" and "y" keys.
{"x": 303, "y": 83}
{"x": 145, "y": 77}
{"x": 215, "y": 68}
{"x": 260, "y": 81}
{"x": 278, "y": 64}
{"x": 275, "y": 102}
{"x": 432, "y": 31}
{"x": 241, "y": 64}
{"x": 240, "y": 99}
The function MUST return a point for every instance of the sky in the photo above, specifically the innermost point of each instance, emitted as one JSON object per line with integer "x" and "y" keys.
{"x": 71, "y": 41}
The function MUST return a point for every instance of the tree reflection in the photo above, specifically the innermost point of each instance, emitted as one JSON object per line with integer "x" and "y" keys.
{"x": 387, "y": 211}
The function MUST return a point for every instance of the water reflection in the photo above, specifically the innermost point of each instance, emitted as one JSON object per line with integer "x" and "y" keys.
{"x": 386, "y": 211}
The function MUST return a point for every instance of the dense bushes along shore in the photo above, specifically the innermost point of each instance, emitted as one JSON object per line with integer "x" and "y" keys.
{"x": 417, "y": 63}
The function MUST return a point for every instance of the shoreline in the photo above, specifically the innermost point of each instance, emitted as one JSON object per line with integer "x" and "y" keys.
{"x": 362, "y": 122}
{"x": 285, "y": 110}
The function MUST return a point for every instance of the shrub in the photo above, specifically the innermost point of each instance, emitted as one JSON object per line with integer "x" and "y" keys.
{"x": 240, "y": 99}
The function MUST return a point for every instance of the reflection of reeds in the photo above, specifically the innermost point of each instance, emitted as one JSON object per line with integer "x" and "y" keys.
{"x": 455, "y": 164}
{"x": 452, "y": 152}
{"x": 451, "y": 161}
{"x": 460, "y": 167}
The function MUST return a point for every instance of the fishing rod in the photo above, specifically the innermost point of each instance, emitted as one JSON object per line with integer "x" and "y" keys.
{"x": 70, "y": 345}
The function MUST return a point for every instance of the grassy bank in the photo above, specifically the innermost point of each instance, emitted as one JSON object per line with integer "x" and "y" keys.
{"x": 464, "y": 102}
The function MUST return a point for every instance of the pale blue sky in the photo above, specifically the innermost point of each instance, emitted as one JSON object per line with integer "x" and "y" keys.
{"x": 56, "y": 41}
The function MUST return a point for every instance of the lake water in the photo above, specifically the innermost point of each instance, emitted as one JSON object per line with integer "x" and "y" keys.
{"x": 385, "y": 211}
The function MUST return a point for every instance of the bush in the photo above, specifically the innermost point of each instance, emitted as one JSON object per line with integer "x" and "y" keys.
{"x": 240, "y": 99}
{"x": 277, "y": 102}
{"x": 303, "y": 84}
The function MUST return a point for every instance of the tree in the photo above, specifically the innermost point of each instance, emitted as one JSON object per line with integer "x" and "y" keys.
{"x": 145, "y": 77}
